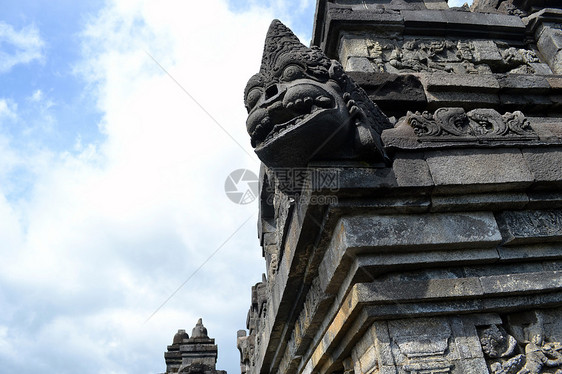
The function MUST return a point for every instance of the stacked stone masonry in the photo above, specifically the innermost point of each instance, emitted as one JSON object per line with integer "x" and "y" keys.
{"x": 192, "y": 355}
{"x": 428, "y": 237}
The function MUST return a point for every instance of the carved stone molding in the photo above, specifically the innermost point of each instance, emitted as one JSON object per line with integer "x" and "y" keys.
{"x": 459, "y": 56}
{"x": 454, "y": 124}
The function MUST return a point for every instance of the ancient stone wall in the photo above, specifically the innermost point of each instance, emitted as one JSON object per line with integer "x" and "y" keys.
{"x": 427, "y": 237}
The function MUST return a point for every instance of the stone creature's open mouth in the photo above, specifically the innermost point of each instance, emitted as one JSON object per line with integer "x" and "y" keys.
{"x": 284, "y": 116}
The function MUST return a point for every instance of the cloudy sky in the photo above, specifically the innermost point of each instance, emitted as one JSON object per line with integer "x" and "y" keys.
{"x": 119, "y": 124}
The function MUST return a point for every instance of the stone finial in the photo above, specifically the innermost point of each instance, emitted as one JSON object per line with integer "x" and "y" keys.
{"x": 199, "y": 331}
{"x": 180, "y": 336}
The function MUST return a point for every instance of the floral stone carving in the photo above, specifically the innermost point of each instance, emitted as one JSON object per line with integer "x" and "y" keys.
{"x": 302, "y": 106}
{"x": 454, "y": 124}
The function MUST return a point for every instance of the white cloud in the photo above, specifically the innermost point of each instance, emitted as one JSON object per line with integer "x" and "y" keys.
{"x": 36, "y": 96}
{"x": 19, "y": 47}
{"x": 109, "y": 231}
{"x": 8, "y": 109}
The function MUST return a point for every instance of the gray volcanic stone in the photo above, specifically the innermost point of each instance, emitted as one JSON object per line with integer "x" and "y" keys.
{"x": 392, "y": 92}
{"x": 550, "y": 45}
{"x": 358, "y": 63}
{"x": 452, "y": 82}
{"x": 545, "y": 164}
{"x": 527, "y": 227}
{"x": 486, "y": 52}
{"x": 479, "y": 170}
{"x": 387, "y": 232}
{"x": 411, "y": 170}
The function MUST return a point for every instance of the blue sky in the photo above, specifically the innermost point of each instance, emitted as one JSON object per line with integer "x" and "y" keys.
{"x": 112, "y": 178}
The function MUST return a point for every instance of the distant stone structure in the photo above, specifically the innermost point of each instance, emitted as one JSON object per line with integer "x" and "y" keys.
{"x": 195, "y": 355}
{"x": 421, "y": 234}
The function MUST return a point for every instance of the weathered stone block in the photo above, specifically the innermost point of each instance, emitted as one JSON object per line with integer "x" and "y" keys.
{"x": 478, "y": 201}
{"x": 527, "y": 84}
{"x": 353, "y": 45}
{"x": 392, "y": 92}
{"x": 411, "y": 169}
{"x": 465, "y": 338}
{"x": 368, "y": 360}
{"x": 549, "y": 131}
{"x": 436, "y": 4}
{"x": 459, "y": 19}
{"x": 483, "y": 170}
{"x": 545, "y": 164}
{"x": 352, "y": 178}
{"x": 517, "y": 283}
{"x": 468, "y": 100}
{"x": 386, "y": 233}
{"x": 530, "y": 226}
{"x": 453, "y": 82}
{"x": 370, "y": 266}
{"x": 540, "y": 68}
{"x": 555, "y": 82}
{"x": 550, "y": 45}
{"x": 531, "y": 252}
{"x": 409, "y": 291}
{"x": 355, "y": 63}
{"x": 487, "y": 52}
{"x": 472, "y": 366}
{"x": 379, "y": 331}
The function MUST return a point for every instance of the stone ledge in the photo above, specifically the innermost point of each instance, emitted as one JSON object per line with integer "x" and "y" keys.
{"x": 369, "y": 302}
{"x": 432, "y": 18}
{"x": 473, "y": 202}
{"x": 530, "y": 226}
{"x": 442, "y": 82}
{"x": 392, "y": 234}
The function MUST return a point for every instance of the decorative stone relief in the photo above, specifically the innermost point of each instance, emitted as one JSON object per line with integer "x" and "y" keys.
{"x": 452, "y": 56}
{"x": 454, "y": 124}
{"x": 533, "y": 354}
{"x": 302, "y": 106}
{"x": 497, "y": 343}
{"x": 255, "y": 321}
{"x": 423, "y": 346}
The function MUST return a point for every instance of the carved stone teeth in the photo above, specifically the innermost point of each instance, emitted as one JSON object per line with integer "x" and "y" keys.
{"x": 308, "y": 100}
{"x": 323, "y": 101}
{"x": 290, "y": 105}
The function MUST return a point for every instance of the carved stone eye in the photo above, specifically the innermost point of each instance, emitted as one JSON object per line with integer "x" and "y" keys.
{"x": 292, "y": 72}
{"x": 253, "y": 97}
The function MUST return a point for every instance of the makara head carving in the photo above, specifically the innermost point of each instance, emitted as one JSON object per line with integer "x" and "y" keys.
{"x": 302, "y": 107}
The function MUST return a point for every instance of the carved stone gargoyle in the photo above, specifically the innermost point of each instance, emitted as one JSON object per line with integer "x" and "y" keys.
{"x": 302, "y": 107}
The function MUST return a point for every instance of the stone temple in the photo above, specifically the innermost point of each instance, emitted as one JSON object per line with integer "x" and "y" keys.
{"x": 411, "y": 192}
